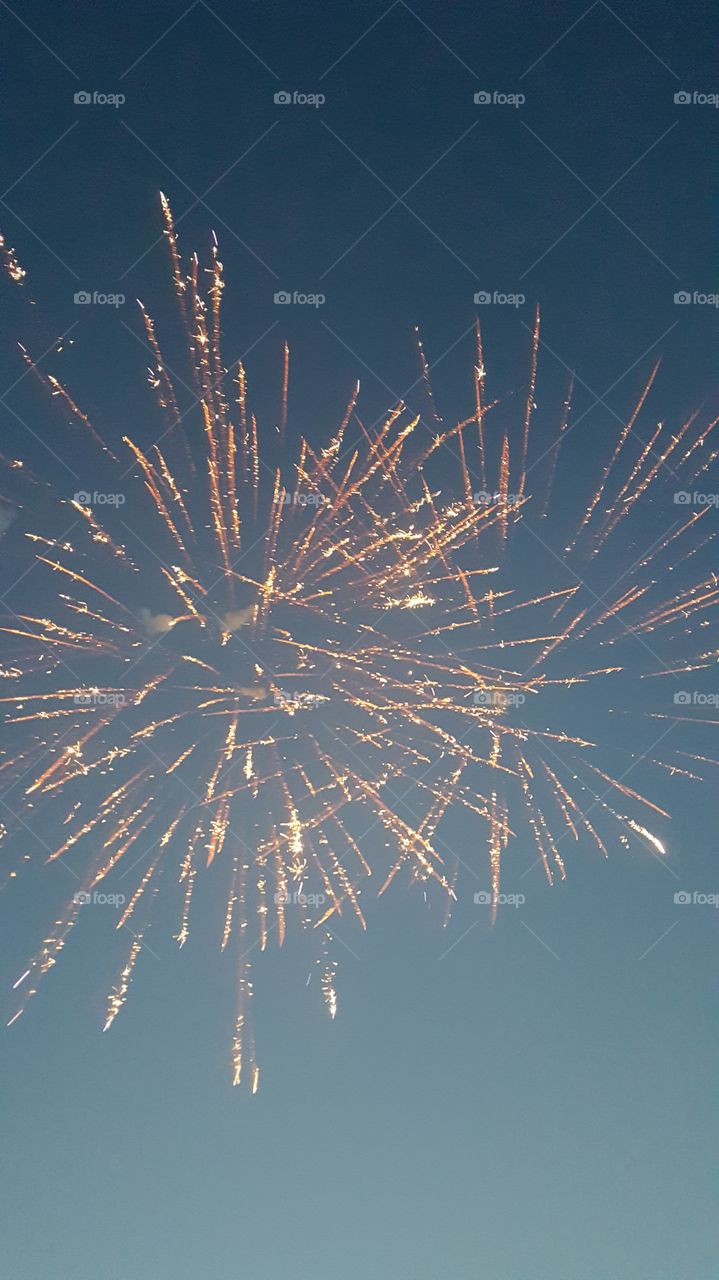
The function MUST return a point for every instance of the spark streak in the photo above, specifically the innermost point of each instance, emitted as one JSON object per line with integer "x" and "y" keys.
{"x": 287, "y": 698}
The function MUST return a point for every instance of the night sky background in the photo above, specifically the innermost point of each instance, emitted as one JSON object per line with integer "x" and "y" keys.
{"x": 535, "y": 1101}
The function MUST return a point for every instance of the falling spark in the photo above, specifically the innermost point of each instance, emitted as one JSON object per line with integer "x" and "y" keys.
{"x": 295, "y": 694}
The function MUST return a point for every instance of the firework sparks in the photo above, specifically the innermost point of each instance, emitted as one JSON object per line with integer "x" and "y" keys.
{"x": 244, "y": 658}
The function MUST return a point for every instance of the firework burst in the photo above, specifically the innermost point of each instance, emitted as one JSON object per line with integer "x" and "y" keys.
{"x": 262, "y": 655}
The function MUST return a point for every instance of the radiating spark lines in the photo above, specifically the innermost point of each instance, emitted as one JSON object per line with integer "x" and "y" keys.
{"x": 280, "y": 666}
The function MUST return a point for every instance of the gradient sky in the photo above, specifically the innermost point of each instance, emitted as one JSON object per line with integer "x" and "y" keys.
{"x": 533, "y": 1102}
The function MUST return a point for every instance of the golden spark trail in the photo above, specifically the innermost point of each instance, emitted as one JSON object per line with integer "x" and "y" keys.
{"x": 293, "y": 680}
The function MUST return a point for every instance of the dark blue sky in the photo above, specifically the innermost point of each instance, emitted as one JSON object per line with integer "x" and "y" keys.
{"x": 535, "y": 1102}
